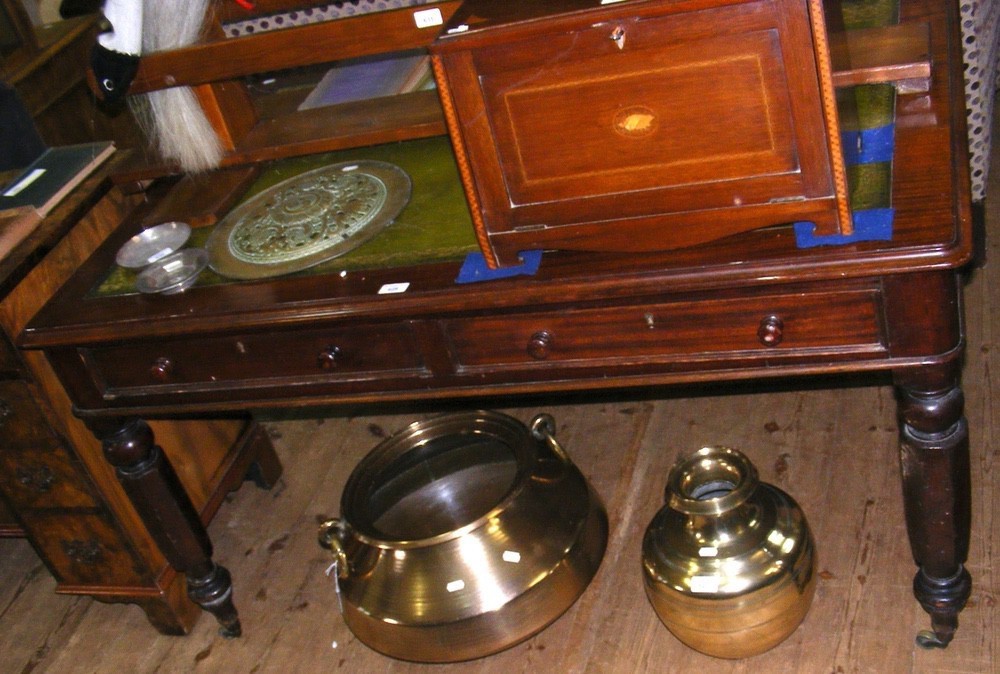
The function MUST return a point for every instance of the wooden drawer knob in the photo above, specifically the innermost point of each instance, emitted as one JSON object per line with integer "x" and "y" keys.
{"x": 329, "y": 357}
{"x": 162, "y": 369}
{"x": 770, "y": 331}
{"x": 540, "y": 344}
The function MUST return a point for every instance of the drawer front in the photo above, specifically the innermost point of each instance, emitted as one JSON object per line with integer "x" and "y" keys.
{"x": 758, "y": 327}
{"x": 83, "y": 549}
{"x": 44, "y": 479}
{"x": 22, "y": 423}
{"x": 685, "y": 112}
{"x": 341, "y": 354}
{"x": 36, "y": 470}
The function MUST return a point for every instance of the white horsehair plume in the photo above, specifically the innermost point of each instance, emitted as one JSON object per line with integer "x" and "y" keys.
{"x": 173, "y": 117}
{"x": 125, "y": 17}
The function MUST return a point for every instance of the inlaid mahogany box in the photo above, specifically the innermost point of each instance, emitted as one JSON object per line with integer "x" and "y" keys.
{"x": 640, "y": 125}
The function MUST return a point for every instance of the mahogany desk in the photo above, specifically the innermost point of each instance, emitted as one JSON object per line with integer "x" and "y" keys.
{"x": 748, "y": 306}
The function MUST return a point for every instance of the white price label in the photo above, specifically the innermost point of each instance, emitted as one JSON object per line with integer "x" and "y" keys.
{"x": 427, "y": 18}
{"x": 705, "y": 584}
{"x": 393, "y": 288}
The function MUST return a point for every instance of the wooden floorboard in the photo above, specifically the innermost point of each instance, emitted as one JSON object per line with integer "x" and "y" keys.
{"x": 833, "y": 449}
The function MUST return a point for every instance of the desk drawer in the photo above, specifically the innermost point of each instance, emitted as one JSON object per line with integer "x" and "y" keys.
{"x": 267, "y": 359}
{"x": 769, "y": 327}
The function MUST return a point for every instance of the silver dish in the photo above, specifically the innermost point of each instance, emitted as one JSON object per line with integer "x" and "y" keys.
{"x": 174, "y": 273}
{"x": 153, "y": 244}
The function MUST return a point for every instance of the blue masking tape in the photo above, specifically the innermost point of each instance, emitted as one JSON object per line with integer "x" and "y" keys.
{"x": 874, "y": 224}
{"x": 868, "y": 146}
{"x": 474, "y": 267}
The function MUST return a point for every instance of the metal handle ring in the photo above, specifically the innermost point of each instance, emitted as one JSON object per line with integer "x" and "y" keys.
{"x": 331, "y": 537}
{"x": 543, "y": 427}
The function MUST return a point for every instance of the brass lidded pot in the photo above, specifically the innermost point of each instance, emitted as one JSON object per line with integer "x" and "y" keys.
{"x": 729, "y": 561}
{"x": 462, "y": 535}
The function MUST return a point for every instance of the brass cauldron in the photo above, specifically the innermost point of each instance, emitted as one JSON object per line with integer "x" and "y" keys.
{"x": 728, "y": 562}
{"x": 463, "y": 535}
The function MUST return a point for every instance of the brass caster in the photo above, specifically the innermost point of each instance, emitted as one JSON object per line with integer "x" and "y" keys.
{"x": 929, "y": 640}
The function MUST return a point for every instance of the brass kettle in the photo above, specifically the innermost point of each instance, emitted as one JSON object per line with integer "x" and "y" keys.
{"x": 463, "y": 535}
{"x": 728, "y": 562}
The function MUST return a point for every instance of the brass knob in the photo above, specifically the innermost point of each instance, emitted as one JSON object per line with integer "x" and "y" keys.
{"x": 329, "y": 357}
{"x": 162, "y": 369}
{"x": 770, "y": 332}
{"x": 540, "y": 344}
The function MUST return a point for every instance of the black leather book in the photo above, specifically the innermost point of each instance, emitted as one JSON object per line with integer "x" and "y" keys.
{"x": 48, "y": 179}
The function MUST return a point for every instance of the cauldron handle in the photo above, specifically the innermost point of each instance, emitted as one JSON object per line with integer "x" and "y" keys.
{"x": 331, "y": 537}
{"x": 543, "y": 427}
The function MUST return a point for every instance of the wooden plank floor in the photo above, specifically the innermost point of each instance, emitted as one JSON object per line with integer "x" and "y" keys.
{"x": 833, "y": 449}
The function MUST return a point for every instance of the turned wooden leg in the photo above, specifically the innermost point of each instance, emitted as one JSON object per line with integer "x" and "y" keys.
{"x": 934, "y": 459}
{"x": 164, "y": 506}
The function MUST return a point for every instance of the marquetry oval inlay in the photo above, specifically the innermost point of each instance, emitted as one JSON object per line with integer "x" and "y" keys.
{"x": 635, "y": 121}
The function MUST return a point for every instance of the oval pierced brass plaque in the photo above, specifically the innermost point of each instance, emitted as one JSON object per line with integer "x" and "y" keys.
{"x": 310, "y": 218}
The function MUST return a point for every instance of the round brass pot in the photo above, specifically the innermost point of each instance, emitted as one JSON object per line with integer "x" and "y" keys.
{"x": 463, "y": 535}
{"x": 728, "y": 562}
